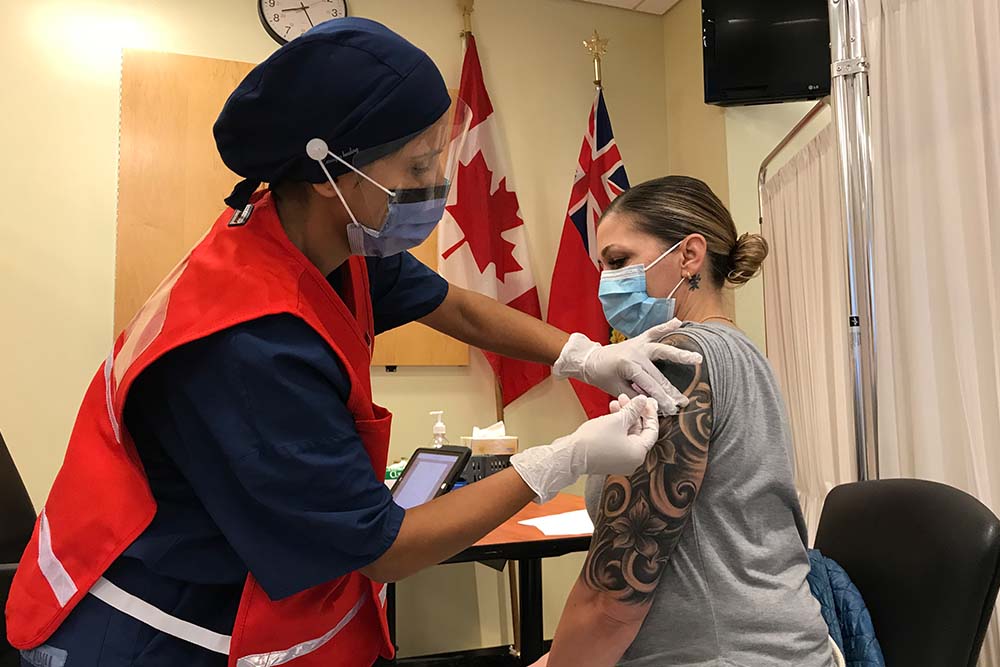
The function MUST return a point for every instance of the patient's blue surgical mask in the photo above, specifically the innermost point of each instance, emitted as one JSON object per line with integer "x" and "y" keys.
{"x": 627, "y": 305}
{"x": 412, "y": 213}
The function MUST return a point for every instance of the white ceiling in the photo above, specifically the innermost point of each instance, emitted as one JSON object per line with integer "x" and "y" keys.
{"x": 648, "y": 6}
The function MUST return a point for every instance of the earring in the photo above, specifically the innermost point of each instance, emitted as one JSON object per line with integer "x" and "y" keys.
{"x": 694, "y": 282}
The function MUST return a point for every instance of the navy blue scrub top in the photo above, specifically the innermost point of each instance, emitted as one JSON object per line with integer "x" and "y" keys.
{"x": 255, "y": 463}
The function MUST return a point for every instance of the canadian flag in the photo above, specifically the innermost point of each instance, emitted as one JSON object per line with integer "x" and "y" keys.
{"x": 481, "y": 239}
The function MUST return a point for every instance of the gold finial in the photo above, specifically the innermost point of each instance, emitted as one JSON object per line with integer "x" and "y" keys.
{"x": 467, "y": 7}
{"x": 598, "y": 47}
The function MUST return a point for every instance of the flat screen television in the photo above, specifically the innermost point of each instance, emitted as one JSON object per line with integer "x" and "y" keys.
{"x": 761, "y": 51}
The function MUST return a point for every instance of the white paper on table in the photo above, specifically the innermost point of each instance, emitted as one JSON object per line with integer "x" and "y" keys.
{"x": 567, "y": 523}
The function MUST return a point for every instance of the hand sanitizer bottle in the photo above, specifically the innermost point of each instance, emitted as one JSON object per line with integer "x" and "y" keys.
{"x": 439, "y": 439}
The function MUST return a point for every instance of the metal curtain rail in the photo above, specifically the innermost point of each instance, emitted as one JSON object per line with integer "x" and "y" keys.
{"x": 782, "y": 145}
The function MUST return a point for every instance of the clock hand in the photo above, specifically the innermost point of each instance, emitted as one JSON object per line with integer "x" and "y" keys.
{"x": 301, "y": 9}
{"x": 305, "y": 10}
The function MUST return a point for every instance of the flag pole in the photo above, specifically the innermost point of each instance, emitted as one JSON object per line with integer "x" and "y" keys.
{"x": 598, "y": 48}
{"x": 467, "y": 7}
{"x": 515, "y": 609}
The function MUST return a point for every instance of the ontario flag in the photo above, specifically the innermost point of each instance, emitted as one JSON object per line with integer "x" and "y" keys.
{"x": 481, "y": 239}
{"x": 573, "y": 302}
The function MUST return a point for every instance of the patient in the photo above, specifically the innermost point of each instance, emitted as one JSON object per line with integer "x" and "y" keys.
{"x": 698, "y": 558}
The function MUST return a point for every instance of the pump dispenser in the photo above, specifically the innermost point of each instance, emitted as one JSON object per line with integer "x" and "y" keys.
{"x": 439, "y": 439}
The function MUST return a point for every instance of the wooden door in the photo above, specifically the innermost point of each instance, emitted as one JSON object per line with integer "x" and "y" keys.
{"x": 171, "y": 183}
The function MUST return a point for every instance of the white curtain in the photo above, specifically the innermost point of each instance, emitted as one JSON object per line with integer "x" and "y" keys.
{"x": 805, "y": 304}
{"x": 936, "y": 137}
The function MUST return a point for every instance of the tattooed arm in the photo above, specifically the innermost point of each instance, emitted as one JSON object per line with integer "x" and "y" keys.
{"x": 640, "y": 521}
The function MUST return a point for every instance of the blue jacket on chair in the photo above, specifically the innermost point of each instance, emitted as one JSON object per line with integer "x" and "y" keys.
{"x": 844, "y": 611}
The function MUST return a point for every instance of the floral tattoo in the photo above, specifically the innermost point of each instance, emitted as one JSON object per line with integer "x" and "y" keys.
{"x": 642, "y": 516}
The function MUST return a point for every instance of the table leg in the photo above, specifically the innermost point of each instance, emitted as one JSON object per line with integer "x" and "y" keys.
{"x": 530, "y": 588}
{"x": 390, "y": 612}
{"x": 515, "y": 606}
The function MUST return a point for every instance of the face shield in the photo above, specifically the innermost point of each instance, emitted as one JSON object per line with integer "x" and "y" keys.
{"x": 396, "y": 194}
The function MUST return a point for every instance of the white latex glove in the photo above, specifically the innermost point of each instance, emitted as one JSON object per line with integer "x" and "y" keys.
{"x": 614, "y": 444}
{"x": 627, "y": 367}
{"x": 619, "y": 403}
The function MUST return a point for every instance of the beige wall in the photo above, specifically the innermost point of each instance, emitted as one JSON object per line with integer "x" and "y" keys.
{"x": 57, "y": 237}
{"x": 751, "y": 134}
{"x": 696, "y": 132}
{"x": 723, "y": 147}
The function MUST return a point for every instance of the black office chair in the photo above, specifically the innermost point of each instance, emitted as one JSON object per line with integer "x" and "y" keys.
{"x": 926, "y": 558}
{"x": 17, "y": 520}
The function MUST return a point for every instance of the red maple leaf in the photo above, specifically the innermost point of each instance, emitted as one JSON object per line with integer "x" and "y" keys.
{"x": 484, "y": 217}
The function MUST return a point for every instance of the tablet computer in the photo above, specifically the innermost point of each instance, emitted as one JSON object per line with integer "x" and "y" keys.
{"x": 429, "y": 473}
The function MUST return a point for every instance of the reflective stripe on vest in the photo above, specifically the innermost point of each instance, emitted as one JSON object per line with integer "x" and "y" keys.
{"x": 108, "y": 395}
{"x": 63, "y": 586}
{"x": 273, "y": 658}
{"x": 158, "y": 619}
{"x": 141, "y": 610}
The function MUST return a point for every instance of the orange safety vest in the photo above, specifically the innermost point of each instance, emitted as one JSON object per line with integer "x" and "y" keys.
{"x": 100, "y": 502}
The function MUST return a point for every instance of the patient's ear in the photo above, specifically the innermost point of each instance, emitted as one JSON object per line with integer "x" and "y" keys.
{"x": 693, "y": 250}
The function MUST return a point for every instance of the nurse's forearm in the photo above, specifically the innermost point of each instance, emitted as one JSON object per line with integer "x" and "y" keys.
{"x": 487, "y": 324}
{"x": 438, "y": 530}
{"x": 595, "y": 629}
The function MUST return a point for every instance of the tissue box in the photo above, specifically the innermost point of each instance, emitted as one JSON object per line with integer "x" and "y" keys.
{"x": 504, "y": 444}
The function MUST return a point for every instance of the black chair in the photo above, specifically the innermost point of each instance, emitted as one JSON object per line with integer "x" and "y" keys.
{"x": 926, "y": 558}
{"x": 17, "y": 520}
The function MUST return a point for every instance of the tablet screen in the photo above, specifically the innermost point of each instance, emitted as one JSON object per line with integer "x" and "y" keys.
{"x": 423, "y": 478}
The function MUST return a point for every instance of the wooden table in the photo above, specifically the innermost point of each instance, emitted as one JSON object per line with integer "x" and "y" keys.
{"x": 528, "y": 546}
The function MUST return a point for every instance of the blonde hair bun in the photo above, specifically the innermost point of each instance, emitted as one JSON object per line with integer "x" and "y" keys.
{"x": 746, "y": 257}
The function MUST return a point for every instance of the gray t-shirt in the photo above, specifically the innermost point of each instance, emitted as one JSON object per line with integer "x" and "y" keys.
{"x": 735, "y": 591}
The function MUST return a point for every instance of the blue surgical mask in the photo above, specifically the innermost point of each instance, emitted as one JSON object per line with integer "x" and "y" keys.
{"x": 412, "y": 213}
{"x": 628, "y": 306}
{"x": 412, "y": 216}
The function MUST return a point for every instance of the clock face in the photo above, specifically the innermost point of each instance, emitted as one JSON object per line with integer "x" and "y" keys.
{"x": 285, "y": 20}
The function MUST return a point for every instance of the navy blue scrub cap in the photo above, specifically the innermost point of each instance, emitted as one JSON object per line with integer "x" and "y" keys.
{"x": 351, "y": 82}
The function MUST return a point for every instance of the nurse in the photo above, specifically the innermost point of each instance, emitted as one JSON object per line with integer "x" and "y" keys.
{"x": 221, "y": 500}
